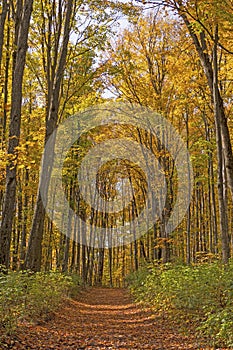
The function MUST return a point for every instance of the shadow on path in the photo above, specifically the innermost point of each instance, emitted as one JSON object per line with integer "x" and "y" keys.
{"x": 102, "y": 318}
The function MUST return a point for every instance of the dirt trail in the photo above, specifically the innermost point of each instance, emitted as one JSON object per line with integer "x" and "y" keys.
{"x": 102, "y": 318}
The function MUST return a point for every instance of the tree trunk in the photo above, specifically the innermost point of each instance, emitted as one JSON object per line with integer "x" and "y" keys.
{"x": 14, "y": 135}
{"x": 24, "y": 226}
{"x": 34, "y": 252}
{"x": 220, "y": 116}
{"x": 101, "y": 252}
{"x": 188, "y": 226}
{"x": 65, "y": 263}
{"x": 222, "y": 130}
{"x": 5, "y": 6}
{"x": 217, "y": 112}
{"x": 6, "y": 80}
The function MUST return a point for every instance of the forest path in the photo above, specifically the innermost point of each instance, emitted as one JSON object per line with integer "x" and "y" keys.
{"x": 102, "y": 318}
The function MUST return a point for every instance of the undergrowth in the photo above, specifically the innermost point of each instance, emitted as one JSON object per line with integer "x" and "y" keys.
{"x": 32, "y": 297}
{"x": 203, "y": 293}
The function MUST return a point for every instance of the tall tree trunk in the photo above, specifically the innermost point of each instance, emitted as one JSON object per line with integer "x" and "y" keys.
{"x": 33, "y": 257}
{"x": 217, "y": 112}
{"x": 5, "y": 6}
{"x": 222, "y": 130}
{"x": 110, "y": 265}
{"x": 101, "y": 252}
{"x": 74, "y": 247}
{"x": 24, "y": 226}
{"x": 14, "y": 135}
{"x": 6, "y": 80}
{"x": 188, "y": 226}
{"x": 65, "y": 263}
{"x": 18, "y": 228}
{"x": 220, "y": 116}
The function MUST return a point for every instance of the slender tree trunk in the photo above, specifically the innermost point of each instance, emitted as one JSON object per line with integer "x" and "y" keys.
{"x": 222, "y": 130}
{"x": 214, "y": 209}
{"x": 5, "y": 6}
{"x": 84, "y": 264}
{"x": 78, "y": 256}
{"x": 6, "y": 80}
{"x": 220, "y": 116}
{"x": 91, "y": 266}
{"x": 100, "y": 266}
{"x": 24, "y": 225}
{"x": 110, "y": 265}
{"x": 34, "y": 252}
{"x": 74, "y": 246}
{"x": 217, "y": 112}
{"x": 188, "y": 225}
{"x": 66, "y": 255}
{"x": 65, "y": 263}
{"x": 14, "y": 135}
{"x": 18, "y": 228}
{"x": 48, "y": 254}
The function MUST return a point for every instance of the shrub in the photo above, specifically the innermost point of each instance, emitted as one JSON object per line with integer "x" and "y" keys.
{"x": 203, "y": 292}
{"x": 32, "y": 296}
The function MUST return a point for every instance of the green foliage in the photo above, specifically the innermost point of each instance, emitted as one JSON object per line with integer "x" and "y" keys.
{"x": 32, "y": 296}
{"x": 204, "y": 293}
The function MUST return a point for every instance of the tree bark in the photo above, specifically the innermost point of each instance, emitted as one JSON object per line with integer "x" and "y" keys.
{"x": 14, "y": 135}
{"x": 5, "y": 7}
{"x": 222, "y": 130}
{"x": 34, "y": 252}
{"x": 219, "y": 139}
{"x": 201, "y": 48}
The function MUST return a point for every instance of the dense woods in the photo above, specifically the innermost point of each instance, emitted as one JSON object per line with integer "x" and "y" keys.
{"x": 59, "y": 58}
{"x": 85, "y": 58}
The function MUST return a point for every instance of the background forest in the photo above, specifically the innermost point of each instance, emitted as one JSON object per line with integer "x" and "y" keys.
{"x": 58, "y": 58}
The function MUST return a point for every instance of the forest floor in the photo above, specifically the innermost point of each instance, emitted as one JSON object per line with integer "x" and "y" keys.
{"x": 102, "y": 318}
